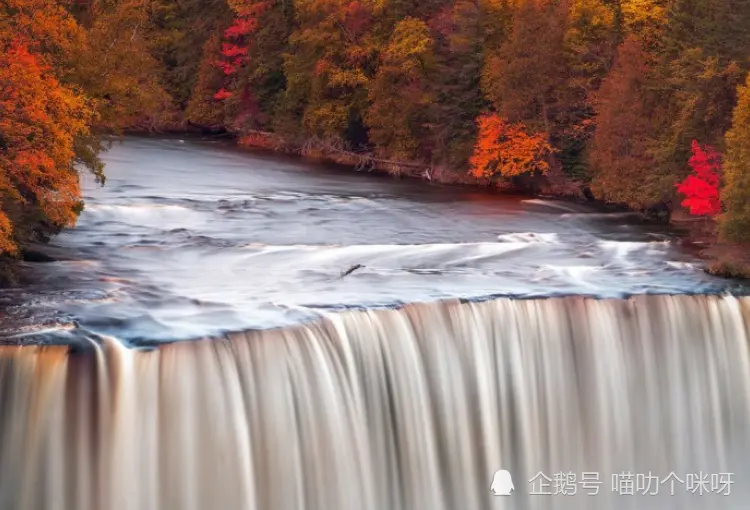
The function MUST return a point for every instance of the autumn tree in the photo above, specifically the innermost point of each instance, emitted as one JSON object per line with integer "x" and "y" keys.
{"x": 400, "y": 97}
{"x": 41, "y": 121}
{"x": 697, "y": 95}
{"x": 701, "y": 187}
{"x": 117, "y": 68}
{"x": 180, "y": 29}
{"x": 590, "y": 43}
{"x": 252, "y": 59}
{"x": 735, "y": 224}
{"x": 461, "y": 32}
{"x": 621, "y": 164}
{"x": 645, "y": 20}
{"x": 236, "y": 96}
{"x": 701, "y": 61}
{"x": 206, "y": 106}
{"x": 721, "y": 28}
{"x": 508, "y": 150}
{"x": 523, "y": 78}
{"x": 331, "y": 58}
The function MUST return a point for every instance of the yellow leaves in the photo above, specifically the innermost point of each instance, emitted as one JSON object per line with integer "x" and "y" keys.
{"x": 508, "y": 149}
{"x": 326, "y": 118}
{"x": 410, "y": 41}
{"x": 328, "y": 64}
{"x": 593, "y": 13}
{"x": 644, "y": 18}
{"x": 338, "y": 76}
{"x": 6, "y": 235}
{"x": 118, "y": 71}
{"x": 590, "y": 21}
{"x": 399, "y": 95}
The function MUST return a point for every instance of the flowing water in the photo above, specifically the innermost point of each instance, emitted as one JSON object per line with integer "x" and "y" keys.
{"x": 226, "y": 330}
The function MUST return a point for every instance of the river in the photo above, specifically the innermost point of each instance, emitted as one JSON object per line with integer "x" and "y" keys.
{"x": 237, "y": 330}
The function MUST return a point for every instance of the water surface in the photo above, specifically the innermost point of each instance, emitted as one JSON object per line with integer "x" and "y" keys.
{"x": 192, "y": 238}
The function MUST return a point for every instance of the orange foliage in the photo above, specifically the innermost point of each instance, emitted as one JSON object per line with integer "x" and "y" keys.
{"x": 40, "y": 120}
{"x": 508, "y": 149}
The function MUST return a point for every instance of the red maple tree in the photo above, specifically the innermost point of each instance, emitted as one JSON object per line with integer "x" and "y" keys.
{"x": 237, "y": 38}
{"x": 701, "y": 188}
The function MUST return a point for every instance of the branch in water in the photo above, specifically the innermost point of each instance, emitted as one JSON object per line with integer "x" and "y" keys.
{"x": 351, "y": 270}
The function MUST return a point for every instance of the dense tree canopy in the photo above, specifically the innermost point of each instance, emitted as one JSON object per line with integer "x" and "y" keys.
{"x": 736, "y": 222}
{"x": 613, "y": 93}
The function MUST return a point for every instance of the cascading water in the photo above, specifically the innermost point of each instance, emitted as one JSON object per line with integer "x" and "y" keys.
{"x": 405, "y": 409}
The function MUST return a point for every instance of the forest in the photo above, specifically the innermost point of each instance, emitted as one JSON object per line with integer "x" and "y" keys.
{"x": 645, "y": 102}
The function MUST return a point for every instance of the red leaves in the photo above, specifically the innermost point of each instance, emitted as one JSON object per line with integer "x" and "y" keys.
{"x": 222, "y": 94}
{"x": 235, "y": 52}
{"x": 234, "y": 57}
{"x": 706, "y": 163}
{"x": 20, "y": 53}
{"x": 702, "y": 188}
{"x": 232, "y": 50}
{"x": 357, "y": 17}
{"x": 241, "y": 27}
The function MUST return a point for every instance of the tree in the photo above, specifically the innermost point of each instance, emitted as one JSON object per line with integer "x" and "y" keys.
{"x": 590, "y": 44}
{"x": 40, "y": 122}
{"x": 400, "y": 99}
{"x": 508, "y": 149}
{"x": 44, "y": 120}
{"x": 735, "y": 224}
{"x": 721, "y": 28}
{"x": 206, "y": 104}
{"x": 461, "y": 32}
{"x": 701, "y": 188}
{"x": 697, "y": 94}
{"x": 700, "y": 62}
{"x": 621, "y": 163}
{"x": 523, "y": 78}
{"x": 646, "y": 20}
{"x": 253, "y": 61}
{"x": 179, "y": 31}
{"x": 117, "y": 69}
{"x": 328, "y": 66}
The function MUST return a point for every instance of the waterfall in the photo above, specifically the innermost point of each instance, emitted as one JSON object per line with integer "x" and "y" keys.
{"x": 407, "y": 409}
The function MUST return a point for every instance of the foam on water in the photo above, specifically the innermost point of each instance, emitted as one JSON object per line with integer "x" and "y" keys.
{"x": 188, "y": 240}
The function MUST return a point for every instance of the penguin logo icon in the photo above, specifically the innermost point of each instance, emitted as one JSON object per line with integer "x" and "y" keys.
{"x": 502, "y": 483}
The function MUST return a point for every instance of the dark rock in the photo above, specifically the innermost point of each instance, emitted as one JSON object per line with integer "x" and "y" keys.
{"x": 36, "y": 256}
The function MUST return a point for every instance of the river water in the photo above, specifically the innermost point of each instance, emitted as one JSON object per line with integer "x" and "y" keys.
{"x": 189, "y": 239}
{"x": 237, "y": 330}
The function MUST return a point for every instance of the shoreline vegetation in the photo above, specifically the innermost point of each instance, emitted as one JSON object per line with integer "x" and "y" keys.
{"x": 640, "y": 104}
{"x": 723, "y": 259}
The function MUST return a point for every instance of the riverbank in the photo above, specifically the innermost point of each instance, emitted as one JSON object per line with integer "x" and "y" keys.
{"x": 554, "y": 184}
{"x": 723, "y": 260}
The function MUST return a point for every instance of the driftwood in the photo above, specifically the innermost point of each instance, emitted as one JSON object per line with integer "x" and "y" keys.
{"x": 351, "y": 270}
